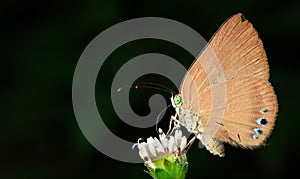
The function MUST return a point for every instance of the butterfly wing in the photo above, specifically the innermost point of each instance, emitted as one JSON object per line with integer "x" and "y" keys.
{"x": 234, "y": 51}
{"x": 248, "y": 115}
{"x": 240, "y": 50}
{"x": 233, "y": 69}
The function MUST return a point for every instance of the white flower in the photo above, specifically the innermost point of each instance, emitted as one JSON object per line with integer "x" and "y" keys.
{"x": 155, "y": 149}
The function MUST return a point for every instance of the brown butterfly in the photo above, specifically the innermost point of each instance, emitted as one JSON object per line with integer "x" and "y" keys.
{"x": 225, "y": 96}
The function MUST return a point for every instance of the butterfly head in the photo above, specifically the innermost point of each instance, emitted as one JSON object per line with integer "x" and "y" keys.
{"x": 176, "y": 100}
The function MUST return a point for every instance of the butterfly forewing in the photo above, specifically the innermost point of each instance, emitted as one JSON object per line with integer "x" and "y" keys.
{"x": 238, "y": 50}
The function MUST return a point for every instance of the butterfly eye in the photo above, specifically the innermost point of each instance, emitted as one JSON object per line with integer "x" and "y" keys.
{"x": 177, "y": 100}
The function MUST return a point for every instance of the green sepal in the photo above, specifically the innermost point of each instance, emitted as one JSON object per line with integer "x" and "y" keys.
{"x": 169, "y": 167}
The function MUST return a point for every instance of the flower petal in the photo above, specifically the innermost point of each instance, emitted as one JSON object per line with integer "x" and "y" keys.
{"x": 143, "y": 151}
{"x": 161, "y": 134}
{"x": 151, "y": 146}
{"x": 171, "y": 144}
{"x": 183, "y": 143}
{"x": 159, "y": 148}
{"x": 178, "y": 135}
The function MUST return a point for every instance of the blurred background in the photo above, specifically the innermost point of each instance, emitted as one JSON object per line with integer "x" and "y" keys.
{"x": 42, "y": 42}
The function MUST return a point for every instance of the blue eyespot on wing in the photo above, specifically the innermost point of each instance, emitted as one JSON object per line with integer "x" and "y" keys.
{"x": 261, "y": 121}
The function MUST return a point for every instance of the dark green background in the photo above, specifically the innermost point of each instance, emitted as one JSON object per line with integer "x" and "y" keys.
{"x": 41, "y": 43}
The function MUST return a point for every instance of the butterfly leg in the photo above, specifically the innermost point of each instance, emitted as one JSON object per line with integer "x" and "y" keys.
{"x": 174, "y": 121}
{"x": 189, "y": 144}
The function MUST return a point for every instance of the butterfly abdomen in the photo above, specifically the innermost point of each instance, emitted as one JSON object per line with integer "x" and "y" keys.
{"x": 212, "y": 144}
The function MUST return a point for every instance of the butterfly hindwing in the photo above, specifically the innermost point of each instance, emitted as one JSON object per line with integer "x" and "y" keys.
{"x": 248, "y": 115}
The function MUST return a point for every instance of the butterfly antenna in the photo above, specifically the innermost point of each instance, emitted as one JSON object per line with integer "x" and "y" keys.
{"x": 157, "y": 85}
{"x": 165, "y": 89}
{"x": 121, "y": 88}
